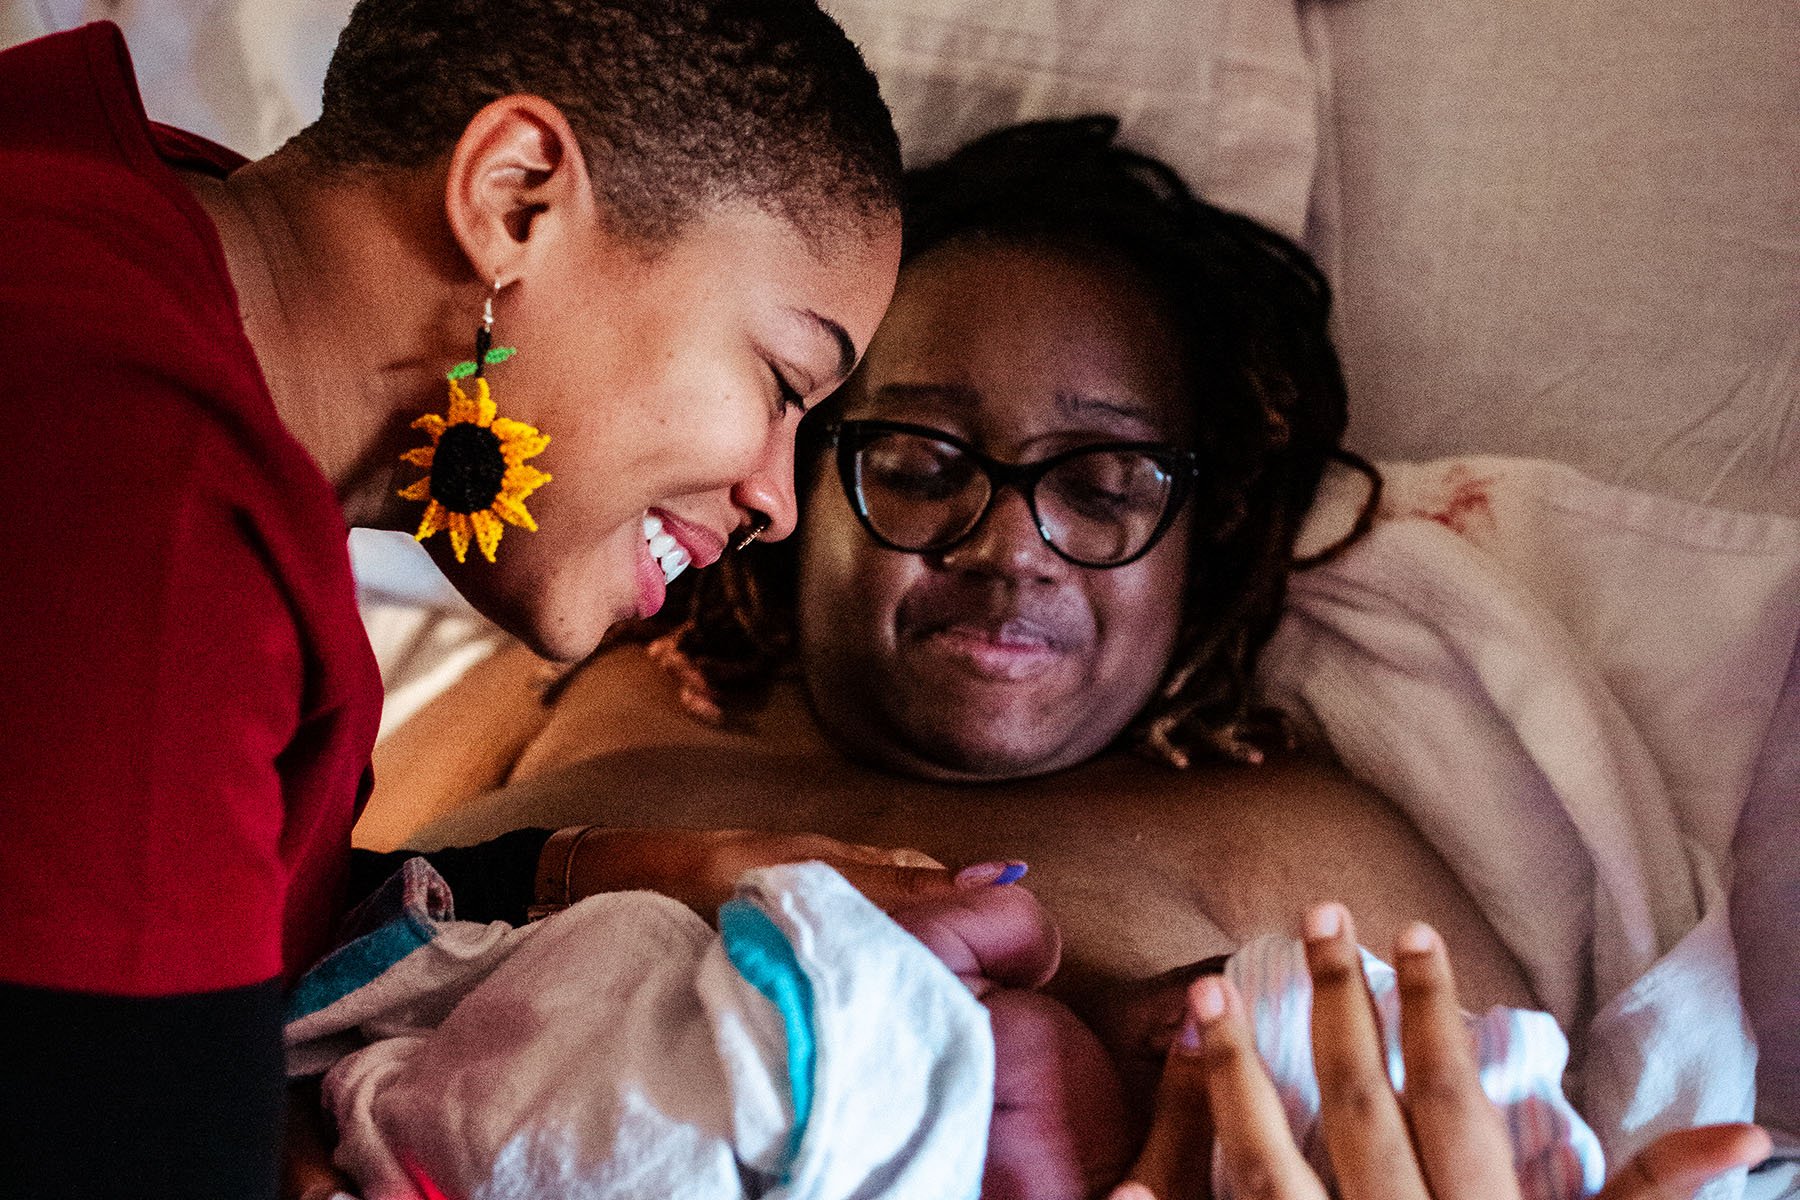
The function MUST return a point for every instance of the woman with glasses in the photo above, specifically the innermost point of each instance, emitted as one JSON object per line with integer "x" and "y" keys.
{"x": 1045, "y": 528}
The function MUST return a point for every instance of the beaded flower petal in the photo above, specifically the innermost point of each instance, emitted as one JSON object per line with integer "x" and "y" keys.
{"x": 477, "y": 478}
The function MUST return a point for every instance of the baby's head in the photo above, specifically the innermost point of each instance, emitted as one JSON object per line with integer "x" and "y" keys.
{"x": 1059, "y": 1129}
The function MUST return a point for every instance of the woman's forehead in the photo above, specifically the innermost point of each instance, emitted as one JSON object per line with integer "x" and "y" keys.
{"x": 1027, "y": 336}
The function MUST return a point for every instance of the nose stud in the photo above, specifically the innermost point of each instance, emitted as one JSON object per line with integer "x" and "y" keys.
{"x": 757, "y": 529}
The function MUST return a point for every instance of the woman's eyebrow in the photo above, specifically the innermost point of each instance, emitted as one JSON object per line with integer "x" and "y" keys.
{"x": 846, "y": 349}
{"x": 938, "y": 393}
{"x": 1076, "y": 404}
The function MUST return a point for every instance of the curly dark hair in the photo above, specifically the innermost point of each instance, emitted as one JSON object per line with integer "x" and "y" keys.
{"x": 1250, "y": 309}
{"x": 678, "y": 103}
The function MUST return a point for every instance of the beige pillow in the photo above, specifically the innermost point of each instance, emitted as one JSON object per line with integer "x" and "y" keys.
{"x": 1221, "y": 89}
{"x": 1570, "y": 231}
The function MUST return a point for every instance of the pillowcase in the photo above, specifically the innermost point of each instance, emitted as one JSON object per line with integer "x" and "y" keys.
{"x": 1568, "y": 231}
{"x": 1223, "y": 90}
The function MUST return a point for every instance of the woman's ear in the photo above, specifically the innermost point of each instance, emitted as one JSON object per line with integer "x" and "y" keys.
{"x": 518, "y": 190}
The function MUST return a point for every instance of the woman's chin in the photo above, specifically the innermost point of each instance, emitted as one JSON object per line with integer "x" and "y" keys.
{"x": 558, "y": 628}
{"x": 991, "y": 756}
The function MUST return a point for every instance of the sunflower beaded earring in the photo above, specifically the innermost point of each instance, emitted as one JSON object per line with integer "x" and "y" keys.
{"x": 476, "y": 476}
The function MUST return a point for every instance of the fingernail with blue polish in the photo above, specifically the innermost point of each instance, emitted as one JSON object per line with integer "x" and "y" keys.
{"x": 990, "y": 874}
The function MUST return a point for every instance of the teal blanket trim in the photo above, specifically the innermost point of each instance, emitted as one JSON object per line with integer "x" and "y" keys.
{"x": 765, "y": 958}
{"x": 355, "y": 964}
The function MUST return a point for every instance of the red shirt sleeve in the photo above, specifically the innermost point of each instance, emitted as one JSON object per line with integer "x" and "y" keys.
{"x": 153, "y": 682}
{"x": 187, "y": 699}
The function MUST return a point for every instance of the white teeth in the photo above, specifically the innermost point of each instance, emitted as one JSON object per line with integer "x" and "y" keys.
{"x": 665, "y": 549}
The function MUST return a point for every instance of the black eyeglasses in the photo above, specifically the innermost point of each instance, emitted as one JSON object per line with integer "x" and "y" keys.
{"x": 921, "y": 491}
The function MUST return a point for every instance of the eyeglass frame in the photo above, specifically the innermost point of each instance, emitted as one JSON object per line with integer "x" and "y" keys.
{"x": 1023, "y": 478}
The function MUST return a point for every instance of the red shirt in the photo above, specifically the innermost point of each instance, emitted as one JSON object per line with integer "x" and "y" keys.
{"x": 187, "y": 697}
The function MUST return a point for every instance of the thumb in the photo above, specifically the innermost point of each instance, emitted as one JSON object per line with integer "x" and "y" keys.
{"x": 889, "y": 886}
{"x": 1674, "y": 1166}
{"x": 987, "y": 933}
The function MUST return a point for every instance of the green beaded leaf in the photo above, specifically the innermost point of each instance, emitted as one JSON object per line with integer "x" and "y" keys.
{"x": 498, "y": 354}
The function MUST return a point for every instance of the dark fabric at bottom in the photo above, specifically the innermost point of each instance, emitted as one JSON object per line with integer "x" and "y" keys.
{"x": 170, "y": 1097}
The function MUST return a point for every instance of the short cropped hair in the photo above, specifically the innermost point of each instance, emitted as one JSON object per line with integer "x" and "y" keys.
{"x": 678, "y": 104}
{"x": 1250, "y": 311}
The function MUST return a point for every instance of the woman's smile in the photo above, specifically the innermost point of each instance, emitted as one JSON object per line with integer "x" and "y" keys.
{"x": 1011, "y": 652}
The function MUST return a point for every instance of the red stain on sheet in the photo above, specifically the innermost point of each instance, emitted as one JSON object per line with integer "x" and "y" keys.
{"x": 420, "y": 1179}
{"x": 1466, "y": 506}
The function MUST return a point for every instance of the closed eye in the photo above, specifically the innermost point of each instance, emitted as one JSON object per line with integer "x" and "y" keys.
{"x": 791, "y": 400}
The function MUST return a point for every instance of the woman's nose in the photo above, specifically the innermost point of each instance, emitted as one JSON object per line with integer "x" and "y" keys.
{"x": 769, "y": 488}
{"x": 1005, "y": 542}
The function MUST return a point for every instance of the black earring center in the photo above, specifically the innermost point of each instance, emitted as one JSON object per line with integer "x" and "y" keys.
{"x": 468, "y": 468}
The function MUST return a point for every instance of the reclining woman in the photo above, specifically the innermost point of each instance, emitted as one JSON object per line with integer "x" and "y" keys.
{"x": 1046, "y": 523}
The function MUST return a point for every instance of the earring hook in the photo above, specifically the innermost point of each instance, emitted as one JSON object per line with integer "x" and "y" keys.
{"x": 484, "y": 337}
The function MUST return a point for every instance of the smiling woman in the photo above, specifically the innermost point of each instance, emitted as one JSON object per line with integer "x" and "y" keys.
{"x": 1000, "y": 654}
{"x": 1060, "y": 292}
{"x": 669, "y": 394}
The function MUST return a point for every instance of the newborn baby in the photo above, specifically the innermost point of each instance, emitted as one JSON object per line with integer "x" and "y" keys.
{"x": 809, "y": 1047}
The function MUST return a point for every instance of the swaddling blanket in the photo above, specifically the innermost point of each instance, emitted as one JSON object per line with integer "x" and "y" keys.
{"x": 623, "y": 1049}
{"x": 1564, "y": 686}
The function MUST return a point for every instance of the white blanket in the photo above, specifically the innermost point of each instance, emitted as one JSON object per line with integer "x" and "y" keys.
{"x": 623, "y": 1050}
{"x": 1566, "y": 687}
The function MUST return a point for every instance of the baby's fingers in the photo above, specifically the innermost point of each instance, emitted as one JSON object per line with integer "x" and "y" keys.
{"x": 1459, "y": 1132}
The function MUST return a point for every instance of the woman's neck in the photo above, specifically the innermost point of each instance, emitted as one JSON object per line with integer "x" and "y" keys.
{"x": 347, "y": 313}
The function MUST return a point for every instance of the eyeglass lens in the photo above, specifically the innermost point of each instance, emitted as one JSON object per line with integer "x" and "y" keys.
{"x": 922, "y": 494}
